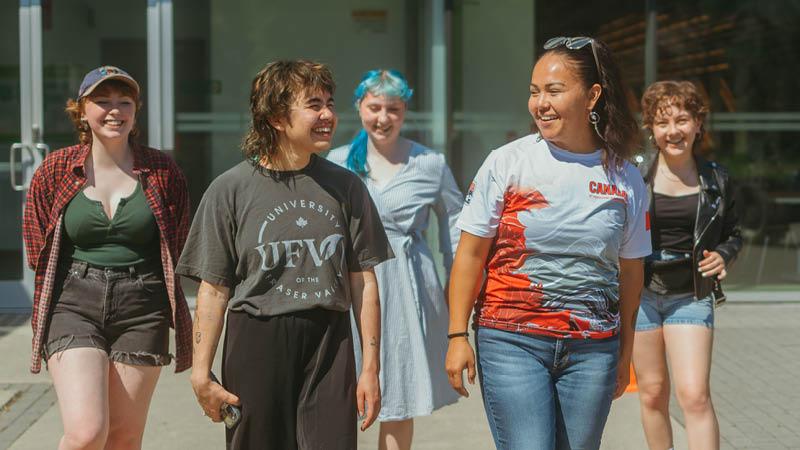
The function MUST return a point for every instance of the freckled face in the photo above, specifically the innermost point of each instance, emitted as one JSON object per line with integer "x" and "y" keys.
{"x": 110, "y": 115}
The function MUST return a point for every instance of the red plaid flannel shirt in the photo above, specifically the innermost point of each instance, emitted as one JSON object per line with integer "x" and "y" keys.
{"x": 60, "y": 177}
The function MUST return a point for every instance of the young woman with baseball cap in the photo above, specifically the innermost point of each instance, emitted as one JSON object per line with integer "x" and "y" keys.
{"x": 104, "y": 224}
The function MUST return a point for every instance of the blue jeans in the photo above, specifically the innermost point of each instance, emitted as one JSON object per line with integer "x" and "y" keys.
{"x": 546, "y": 393}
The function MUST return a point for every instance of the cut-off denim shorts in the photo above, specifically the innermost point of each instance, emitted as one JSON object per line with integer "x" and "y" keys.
{"x": 123, "y": 311}
{"x": 656, "y": 310}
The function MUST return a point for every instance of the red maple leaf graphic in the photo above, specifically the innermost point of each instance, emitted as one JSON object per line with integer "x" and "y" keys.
{"x": 505, "y": 284}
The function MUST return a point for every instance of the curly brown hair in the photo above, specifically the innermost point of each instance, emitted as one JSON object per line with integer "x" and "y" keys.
{"x": 661, "y": 95}
{"x": 273, "y": 91}
{"x": 75, "y": 109}
{"x": 617, "y": 125}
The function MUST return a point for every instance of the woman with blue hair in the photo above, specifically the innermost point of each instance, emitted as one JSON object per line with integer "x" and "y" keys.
{"x": 407, "y": 181}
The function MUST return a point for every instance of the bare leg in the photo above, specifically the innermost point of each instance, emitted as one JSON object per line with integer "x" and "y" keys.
{"x": 80, "y": 377}
{"x": 396, "y": 435}
{"x": 130, "y": 390}
{"x": 652, "y": 377}
{"x": 689, "y": 349}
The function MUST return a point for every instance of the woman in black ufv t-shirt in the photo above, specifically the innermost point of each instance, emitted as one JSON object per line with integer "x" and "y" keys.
{"x": 695, "y": 239}
{"x": 286, "y": 241}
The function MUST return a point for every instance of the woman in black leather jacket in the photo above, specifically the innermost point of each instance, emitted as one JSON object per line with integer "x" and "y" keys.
{"x": 695, "y": 238}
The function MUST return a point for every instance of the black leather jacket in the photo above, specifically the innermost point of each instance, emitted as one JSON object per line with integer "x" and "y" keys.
{"x": 717, "y": 226}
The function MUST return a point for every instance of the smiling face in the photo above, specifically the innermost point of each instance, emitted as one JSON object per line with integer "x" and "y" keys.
{"x": 674, "y": 130}
{"x": 382, "y": 117}
{"x": 560, "y": 103}
{"x": 311, "y": 123}
{"x": 110, "y": 114}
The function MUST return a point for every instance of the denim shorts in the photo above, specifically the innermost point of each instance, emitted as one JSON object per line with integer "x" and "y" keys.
{"x": 541, "y": 392}
{"x": 123, "y": 311}
{"x": 656, "y": 310}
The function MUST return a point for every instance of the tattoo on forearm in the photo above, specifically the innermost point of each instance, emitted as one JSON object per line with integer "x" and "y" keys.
{"x": 198, "y": 337}
{"x": 373, "y": 341}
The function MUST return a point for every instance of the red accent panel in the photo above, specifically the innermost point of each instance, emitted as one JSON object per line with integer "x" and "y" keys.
{"x": 507, "y": 291}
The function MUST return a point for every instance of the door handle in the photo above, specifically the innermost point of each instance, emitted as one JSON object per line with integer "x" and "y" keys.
{"x": 43, "y": 148}
{"x": 12, "y": 163}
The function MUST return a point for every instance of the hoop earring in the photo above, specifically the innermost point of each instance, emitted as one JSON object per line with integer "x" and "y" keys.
{"x": 594, "y": 119}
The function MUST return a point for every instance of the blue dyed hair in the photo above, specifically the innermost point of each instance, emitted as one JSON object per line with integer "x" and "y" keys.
{"x": 379, "y": 82}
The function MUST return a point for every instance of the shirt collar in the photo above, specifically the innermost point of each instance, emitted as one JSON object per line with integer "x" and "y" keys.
{"x": 141, "y": 160}
{"x": 79, "y": 160}
{"x": 705, "y": 173}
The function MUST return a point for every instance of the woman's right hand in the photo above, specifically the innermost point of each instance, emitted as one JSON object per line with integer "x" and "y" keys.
{"x": 211, "y": 395}
{"x": 460, "y": 356}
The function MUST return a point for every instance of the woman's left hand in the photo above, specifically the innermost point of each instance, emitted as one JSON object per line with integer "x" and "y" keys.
{"x": 712, "y": 264}
{"x": 368, "y": 398}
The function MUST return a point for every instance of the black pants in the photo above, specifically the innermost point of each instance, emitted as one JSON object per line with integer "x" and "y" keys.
{"x": 295, "y": 376}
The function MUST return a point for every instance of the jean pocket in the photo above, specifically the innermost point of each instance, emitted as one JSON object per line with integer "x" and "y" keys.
{"x": 68, "y": 291}
{"x": 151, "y": 283}
{"x": 69, "y": 276}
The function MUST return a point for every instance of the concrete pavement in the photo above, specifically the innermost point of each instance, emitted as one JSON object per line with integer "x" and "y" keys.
{"x": 754, "y": 382}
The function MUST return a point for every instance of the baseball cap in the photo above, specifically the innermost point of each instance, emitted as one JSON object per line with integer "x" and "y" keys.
{"x": 103, "y": 73}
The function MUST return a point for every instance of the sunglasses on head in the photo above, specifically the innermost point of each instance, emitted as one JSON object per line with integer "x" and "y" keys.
{"x": 575, "y": 43}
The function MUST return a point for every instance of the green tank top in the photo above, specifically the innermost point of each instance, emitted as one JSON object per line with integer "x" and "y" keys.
{"x": 130, "y": 237}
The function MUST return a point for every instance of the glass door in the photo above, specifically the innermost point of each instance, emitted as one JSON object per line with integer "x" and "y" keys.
{"x": 57, "y": 43}
{"x": 78, "y": 36}
{"x": 19, "y": 155}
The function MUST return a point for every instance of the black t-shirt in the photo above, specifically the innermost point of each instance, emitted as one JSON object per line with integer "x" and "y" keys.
{"x": 674, "y": 219}
{"x": 286, "y": 243}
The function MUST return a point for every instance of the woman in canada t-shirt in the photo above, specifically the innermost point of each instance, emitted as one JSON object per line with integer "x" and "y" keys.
{"x": 557, "y": 220}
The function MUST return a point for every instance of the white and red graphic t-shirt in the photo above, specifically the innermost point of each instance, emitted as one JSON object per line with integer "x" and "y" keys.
{"x": 561, "y": 222}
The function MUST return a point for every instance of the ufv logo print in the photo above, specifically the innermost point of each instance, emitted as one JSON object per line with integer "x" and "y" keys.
{"x": 294, "y": 249}
{"x": 293, "y": 217}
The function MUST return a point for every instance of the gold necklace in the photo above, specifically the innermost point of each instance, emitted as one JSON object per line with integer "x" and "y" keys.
{"x": 668, "y": 177}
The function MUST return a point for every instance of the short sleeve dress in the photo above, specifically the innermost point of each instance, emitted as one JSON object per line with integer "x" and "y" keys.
{"x": 414, "y": 315}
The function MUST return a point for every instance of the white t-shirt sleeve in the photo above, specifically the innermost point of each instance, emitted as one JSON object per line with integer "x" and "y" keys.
{"x": 636, "y": 234}
{"x": 483, "y": 204}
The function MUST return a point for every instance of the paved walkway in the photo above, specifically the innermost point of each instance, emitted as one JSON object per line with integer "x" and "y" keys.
{"x": 755, "y": 381}
{"x": 756, "y": 376}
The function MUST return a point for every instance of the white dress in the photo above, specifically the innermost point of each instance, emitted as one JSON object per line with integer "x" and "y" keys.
{"x": 414, "y": 316}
